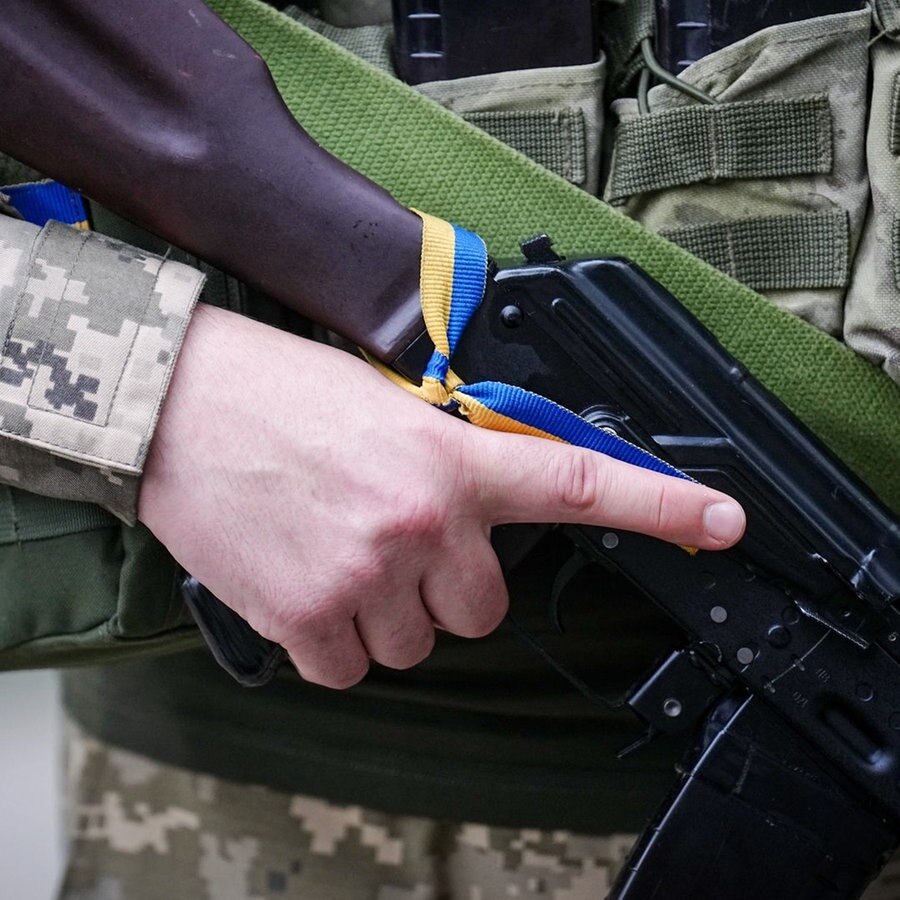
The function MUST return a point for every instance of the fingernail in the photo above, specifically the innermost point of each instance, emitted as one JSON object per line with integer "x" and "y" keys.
{"x": 724, "y": 521}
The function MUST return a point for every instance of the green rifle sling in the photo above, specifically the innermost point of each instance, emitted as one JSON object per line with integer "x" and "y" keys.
{"x": 432, "y": 160}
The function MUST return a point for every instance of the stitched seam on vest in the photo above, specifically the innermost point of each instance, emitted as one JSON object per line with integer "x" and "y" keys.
{"x": 895, "y": 117}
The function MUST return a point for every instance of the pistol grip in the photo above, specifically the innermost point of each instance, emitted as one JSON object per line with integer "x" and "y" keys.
{"x": 247, "y": 656}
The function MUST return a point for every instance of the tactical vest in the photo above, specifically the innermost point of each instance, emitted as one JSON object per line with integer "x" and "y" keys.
{"x": 789, "y": 185}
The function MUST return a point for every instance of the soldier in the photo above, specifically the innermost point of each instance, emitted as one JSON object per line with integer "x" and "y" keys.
{"x": 253, "y": 461}
{"x": 437, "y": 764}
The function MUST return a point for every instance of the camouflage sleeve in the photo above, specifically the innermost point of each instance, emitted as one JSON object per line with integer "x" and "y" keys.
{"x": 91, "y": 329}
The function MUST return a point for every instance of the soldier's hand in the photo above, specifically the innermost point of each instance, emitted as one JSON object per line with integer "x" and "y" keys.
{"x": 345, "y": 519}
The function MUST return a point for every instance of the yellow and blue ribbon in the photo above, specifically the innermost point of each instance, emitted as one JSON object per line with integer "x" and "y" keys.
{"x": 454, "y": 267}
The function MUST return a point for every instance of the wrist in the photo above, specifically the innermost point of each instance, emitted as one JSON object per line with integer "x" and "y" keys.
{"x": 176, "y": 426}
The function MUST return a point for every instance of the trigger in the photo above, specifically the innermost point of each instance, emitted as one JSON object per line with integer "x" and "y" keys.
{"x": 564, "y": 577}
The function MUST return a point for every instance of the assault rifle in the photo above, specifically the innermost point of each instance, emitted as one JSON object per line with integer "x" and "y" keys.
{"x": 789, "y": 673}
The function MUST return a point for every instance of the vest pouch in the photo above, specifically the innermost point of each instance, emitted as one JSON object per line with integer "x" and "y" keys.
{"x": 872, "y": 310}
{"x": 552, "y": 115}
{"x": 353, "y": 13}
{"x": 767, "y": 184}
{"x": 78, "y": 587}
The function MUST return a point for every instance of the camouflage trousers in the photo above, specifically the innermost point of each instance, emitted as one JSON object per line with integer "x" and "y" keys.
{"x": 145, "y": 831}
{"x": 141, "y": 830}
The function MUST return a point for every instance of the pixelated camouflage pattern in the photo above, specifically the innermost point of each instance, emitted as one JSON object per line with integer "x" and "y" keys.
{"x": 92, "y": 329}
{"x": 142, "y": 830}
{"x": 799, "y": 59}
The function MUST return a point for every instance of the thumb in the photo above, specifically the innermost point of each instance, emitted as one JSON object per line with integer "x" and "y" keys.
{"x": 526, "y": 479}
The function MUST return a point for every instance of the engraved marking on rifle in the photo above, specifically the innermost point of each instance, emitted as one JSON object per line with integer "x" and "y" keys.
{"x": 610, "y": 540}
{"x": 797, "y": 663}
{"x": 511, "y": 316}
{"x": 823, "y": 675}
{"x": 745, "y": 771}
{"x": 672, "y": 708}
{"x": 865, "y": 692}
{"x": 790, "y": 615}
{"x": 893, "y": 636}
{"x": 800, "y": 698}
{"x": 718, "y": 614}
{"x": 745, "y": 656}
{"x": 779, "y": 637}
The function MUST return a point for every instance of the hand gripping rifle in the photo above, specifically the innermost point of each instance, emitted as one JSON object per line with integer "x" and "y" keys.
{"x": 790, "y": 667}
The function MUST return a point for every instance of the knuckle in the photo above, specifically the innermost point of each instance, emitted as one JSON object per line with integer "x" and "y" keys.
{"x": 579, "y": 483}
{"x": 419, "y": 518}
{"x": 320, "y": 621}
{"x": 366, "y": 572}
{"x": 663, "y": 510}
{"x": 338, "y": 676}
{"x": 412, "y": 651}
{"x": 487, "y": 615}
{"x": 277, "y": 621}
{"x": 341, "y": 678}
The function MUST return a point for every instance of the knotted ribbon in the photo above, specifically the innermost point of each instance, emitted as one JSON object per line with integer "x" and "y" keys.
{"x": 453, "y": 276}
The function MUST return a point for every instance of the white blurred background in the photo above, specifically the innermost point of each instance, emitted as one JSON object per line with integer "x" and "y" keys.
{"x": 31, "y": 809}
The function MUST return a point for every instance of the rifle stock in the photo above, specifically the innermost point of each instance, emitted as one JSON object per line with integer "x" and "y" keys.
{"x": 161, "y": 112}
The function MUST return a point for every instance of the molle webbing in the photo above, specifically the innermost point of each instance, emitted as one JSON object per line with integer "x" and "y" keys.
{"x": 553, "y": 138}
{"x": 429, "y": 158}
{"x": 747, "y": 139}
{"x": 771, "y": 253}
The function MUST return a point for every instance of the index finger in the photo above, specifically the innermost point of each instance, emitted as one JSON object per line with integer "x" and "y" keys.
{"x": 527, "y": 479}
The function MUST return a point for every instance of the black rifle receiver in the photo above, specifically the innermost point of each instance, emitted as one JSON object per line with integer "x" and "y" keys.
{"x": 435, "y": 40}
{"x": 793, "y": 652}
{"x": 688, "y": 30}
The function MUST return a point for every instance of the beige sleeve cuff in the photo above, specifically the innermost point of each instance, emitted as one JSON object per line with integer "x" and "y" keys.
{"x": 91, "y": 330}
